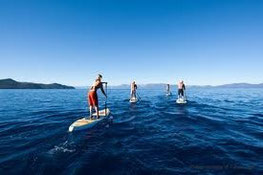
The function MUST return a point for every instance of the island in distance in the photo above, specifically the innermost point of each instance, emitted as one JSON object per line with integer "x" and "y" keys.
{"x": 12, "y": 84}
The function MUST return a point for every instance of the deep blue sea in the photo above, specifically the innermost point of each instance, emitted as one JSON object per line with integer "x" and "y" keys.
{"x": 219, "y": 131}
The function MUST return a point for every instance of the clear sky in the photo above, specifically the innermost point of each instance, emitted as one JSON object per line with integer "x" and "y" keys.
{"x": 152, "y": 41}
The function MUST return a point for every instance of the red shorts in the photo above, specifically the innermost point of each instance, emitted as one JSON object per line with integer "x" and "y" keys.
{"x": 93, "y": 99}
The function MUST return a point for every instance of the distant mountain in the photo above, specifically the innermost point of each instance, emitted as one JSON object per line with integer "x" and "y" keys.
{"x": 173, "y": 86}
{"x": 159, "y": 86}
{"x": 241, "y": 85}
{"x": 12, "y": 84}
{"x": 122, "y": 86}
{"x": 201, "y": 86}
{"x": 143, "y": 86}
{"x": 127, "y": 86}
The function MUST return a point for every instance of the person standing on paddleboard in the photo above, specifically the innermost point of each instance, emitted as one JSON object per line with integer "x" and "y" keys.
{"x": 133, "y": 89}
{"x": 168, "y": 89}
{"x": 181, "y": 89}
{"x": 93, "y": 97}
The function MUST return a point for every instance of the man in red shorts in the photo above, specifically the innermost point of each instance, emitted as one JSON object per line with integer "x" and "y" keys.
{"x": 93, "y": 97}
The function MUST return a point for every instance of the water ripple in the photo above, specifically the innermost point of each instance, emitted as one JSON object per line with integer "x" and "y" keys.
{"x": 219, "y": 131}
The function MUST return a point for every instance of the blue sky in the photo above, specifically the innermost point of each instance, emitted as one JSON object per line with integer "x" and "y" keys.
{"x": 151, "y": 41}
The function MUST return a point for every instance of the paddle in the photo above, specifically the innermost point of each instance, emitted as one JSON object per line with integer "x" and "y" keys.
{"x": 139, "y": 97}
{"x": 106, "y": 89}
{"x": 185, "y": 94}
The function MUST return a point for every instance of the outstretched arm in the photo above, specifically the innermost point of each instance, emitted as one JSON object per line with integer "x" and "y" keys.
{"x": 102, "y": 90}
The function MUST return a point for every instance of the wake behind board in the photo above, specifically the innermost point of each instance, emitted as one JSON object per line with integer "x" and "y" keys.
{"x": 181, "y": 101}
{"x": 133, "y": 100}
{"x": 87, "y": 122}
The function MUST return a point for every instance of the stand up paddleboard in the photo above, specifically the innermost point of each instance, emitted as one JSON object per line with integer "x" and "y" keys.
{"x": 133, "y": 100}
{"x": 87, "y": 123}
{"x": 181, "y": 101}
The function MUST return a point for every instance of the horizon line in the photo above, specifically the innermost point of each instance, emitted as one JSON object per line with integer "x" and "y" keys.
{"x": 142, "y": 84}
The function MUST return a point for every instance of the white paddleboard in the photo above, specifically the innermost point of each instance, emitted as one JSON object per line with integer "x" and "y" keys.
{"x": 87, "y": 122}
{"x": 133, "y": 100}
{"x": 181, "y": 101}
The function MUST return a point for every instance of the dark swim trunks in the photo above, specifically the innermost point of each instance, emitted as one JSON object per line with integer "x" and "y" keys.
{"x": 181, "y": 92}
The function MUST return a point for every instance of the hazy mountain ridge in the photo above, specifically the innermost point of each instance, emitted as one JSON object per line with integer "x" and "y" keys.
{"x": 163, "y": 86}
{"x": 242, "y": 85}
{"x": 12, "y": 84}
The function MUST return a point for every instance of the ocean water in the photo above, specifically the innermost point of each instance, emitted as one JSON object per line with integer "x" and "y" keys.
{"x": 219, "y": 131}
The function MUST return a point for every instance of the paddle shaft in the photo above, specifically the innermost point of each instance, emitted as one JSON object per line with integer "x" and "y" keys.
{"x": 106, "y": 89}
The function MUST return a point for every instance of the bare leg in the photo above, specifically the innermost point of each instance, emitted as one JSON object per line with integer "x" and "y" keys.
{"x": 180, "y": 94}
{"x": 132, "y": 95}
{"x": 97, "y": 111}
{"x": 90, "y": 112}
